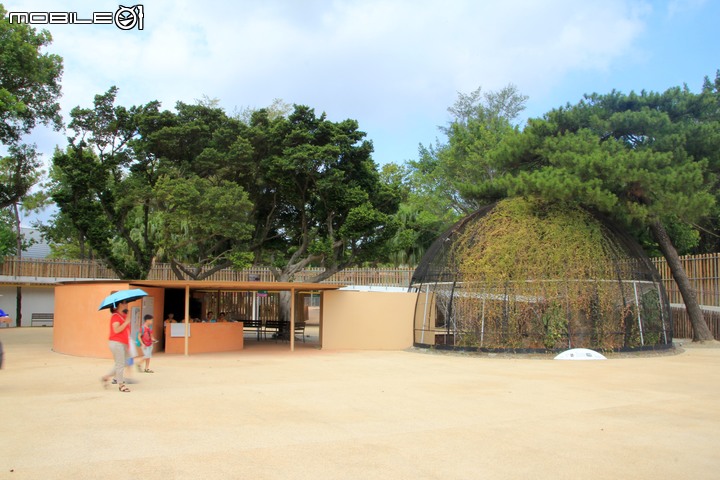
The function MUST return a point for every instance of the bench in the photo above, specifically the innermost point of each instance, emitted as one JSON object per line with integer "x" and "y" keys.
{"x": 280, "y": 328}
{"x": 254, "y": 326}
{"x": 300, "y": 328}
{"x": 44, "y": 319}
{"x": 276, "y": 327}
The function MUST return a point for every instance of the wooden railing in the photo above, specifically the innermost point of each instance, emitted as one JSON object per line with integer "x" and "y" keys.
{"x": 46, "y": 268}
{"x": 703, "y": 270}
{"x": 87, "y": 269}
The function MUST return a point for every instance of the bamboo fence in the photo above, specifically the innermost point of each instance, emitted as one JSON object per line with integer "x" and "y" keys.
{"x": 704, "y": 274}
{"x": 682, "y": 328}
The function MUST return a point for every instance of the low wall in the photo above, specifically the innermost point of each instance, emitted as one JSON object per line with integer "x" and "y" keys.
{"x": 206, "y": 338}
{"x": 80, "y": 329}
{"x": 355, "y": 320}
{"x": 35, "y": 299}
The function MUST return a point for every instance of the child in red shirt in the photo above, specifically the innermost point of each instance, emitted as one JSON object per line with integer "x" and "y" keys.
{"x": 146, "y": 342}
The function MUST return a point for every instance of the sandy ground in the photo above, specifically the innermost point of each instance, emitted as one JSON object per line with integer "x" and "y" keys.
{"x": 268, "y": 413}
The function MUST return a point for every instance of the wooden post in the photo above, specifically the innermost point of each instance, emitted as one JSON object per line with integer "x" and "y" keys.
{"x": 187, "y": 317}
{"x": 292, "y": 320}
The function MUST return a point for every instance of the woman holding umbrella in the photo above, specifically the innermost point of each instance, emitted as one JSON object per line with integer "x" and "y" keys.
{"x": 118, "y": 342}
{"x": 117, "y": 302}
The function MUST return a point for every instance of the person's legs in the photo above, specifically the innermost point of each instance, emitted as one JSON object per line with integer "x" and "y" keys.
{"x": 118, "y": 351}
{"x": 147, "y": 351}
{"x": 125, "y": 357}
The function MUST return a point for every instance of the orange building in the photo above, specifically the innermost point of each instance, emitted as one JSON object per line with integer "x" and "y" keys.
{"x": 347, "y": 319}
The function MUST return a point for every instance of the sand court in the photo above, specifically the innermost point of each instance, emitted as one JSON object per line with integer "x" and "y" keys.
{"x": 268, "y": 413}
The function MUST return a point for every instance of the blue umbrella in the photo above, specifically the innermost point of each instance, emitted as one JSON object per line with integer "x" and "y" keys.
{"x": 123, "y": 295}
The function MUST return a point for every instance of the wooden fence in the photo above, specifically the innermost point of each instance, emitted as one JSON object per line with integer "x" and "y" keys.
{"x": 682, "y": 328}
{"x": 87, "y": 269}
{"x": 704, "y": 274}
{"x": 703, "y": 270}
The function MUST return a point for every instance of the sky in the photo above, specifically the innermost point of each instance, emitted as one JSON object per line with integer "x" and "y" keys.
{"x": 395, "y": 66}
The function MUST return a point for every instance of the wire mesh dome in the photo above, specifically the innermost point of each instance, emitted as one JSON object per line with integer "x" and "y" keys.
{"x": 522, "y": 275}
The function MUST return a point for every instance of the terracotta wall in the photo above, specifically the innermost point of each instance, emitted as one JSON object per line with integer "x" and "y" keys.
{"x": 207, "y": 337}
{"x": 79, "y": 328}
{"x": 350, "y": 320}
{"x": 355, "y": 320}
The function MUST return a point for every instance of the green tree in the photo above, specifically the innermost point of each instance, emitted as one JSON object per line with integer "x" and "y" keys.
{"x": 29, "y": 80}
{"x": 64, "y": 239}
{"x": 201, "y": 210}
{"x": 315, "y": 191}
{"x": 645, "y": 159}
{"x": 8, "y": 238}
{"x": 317, "y": 195}
{"x": 201, "y": 222}
{"x": 189, "y": 186}
{"x": 704, "y": 142}
{"x": 19, "y": 172}
{"x": 452, "y": 179}
{"x": 418, "y": 223}
{"x": 481, "y": 125}
{"x": 29, "y": 90}
{"x": 104, "y": 185}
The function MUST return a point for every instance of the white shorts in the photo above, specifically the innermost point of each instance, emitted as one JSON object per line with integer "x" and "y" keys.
{"x": 147, "y": 351}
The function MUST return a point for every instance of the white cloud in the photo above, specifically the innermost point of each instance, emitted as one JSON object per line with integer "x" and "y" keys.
{"x": 388, "y": 63}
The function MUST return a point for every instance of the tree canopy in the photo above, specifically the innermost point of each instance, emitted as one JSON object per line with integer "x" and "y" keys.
{"x": 649, "y": 160}
{"x": 29, "y": 80}
{"x": 29, "y": 90}
{"x": 202, "y": 190}
{"x": 317, "y": 194}
{"x": 442, "y": 185}
{"x": 102, "y": 184}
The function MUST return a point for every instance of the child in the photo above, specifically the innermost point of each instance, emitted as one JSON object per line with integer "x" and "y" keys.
{"x": 146, "y": 342}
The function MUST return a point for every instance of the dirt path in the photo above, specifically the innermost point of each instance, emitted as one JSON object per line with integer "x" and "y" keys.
{"x": 272, "y": 414}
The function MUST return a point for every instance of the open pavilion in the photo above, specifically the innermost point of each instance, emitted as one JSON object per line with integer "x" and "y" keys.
{"x": 347, "y": 319}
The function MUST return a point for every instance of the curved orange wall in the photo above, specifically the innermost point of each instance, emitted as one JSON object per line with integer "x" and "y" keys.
{"x": 80, "y": 329}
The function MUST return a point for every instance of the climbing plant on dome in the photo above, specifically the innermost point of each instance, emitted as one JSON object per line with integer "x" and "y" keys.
{"x": 532, "y": 275}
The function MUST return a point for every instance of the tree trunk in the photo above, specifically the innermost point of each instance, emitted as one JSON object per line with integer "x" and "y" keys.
{"x": 213, "y": 270}
{"x": 18, "y": 307}
{"x": 283, "y": 276}
{"x": 178, "y": 274}
{"x": 18, "y": 290}
{"x": 701, "y": 331}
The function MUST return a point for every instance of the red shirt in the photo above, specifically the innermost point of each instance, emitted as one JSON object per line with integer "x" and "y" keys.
{"x": 121, "y": 337}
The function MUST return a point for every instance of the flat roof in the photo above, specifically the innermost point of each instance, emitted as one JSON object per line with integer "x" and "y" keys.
{"x": 240, "y": 286}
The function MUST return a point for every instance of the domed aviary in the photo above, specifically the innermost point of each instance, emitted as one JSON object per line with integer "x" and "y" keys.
{"x": 523, "y": 275}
